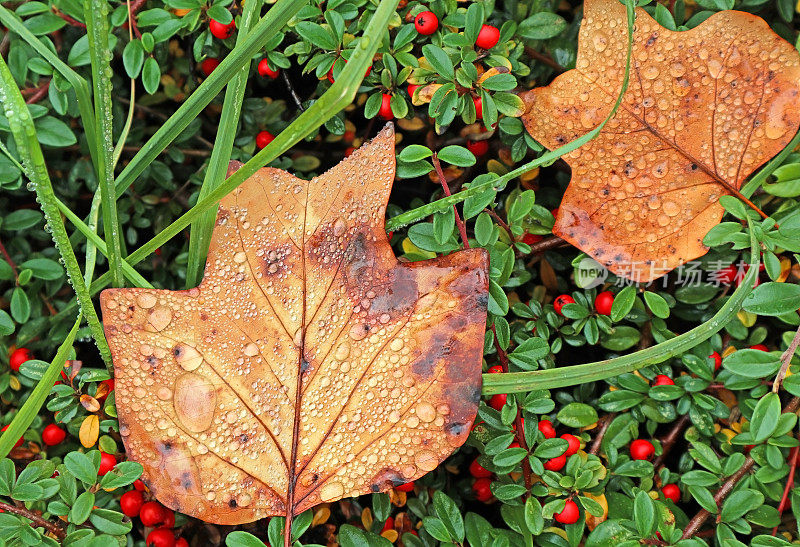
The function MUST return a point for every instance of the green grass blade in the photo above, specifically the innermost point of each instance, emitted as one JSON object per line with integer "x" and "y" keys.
{"x": 79, "y": 84}
{"x": 22, "y": 128}
{"x": 200, "y": 234}
{"x": 96, "y": 14}
{"x": 97, "y": 243}
{"x": 516, "y": 382}
{"x": 240, "y": 56}
{"x": 30, "y": 409}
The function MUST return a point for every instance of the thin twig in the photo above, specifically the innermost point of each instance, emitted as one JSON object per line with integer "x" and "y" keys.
{"x": 68, "y": 19}
{"x": 605, "y": 421}
{"x": 497, "y": 218}
{"x": 11, "y": 263}
{"x": 544, "y": 59}
{"x": 51, "y": 527}
{"x": 700, "y": 518}
{"x": 789, "y": 484}
{"x": 462, "y": 229}
{"x": 36, "y": 94}
{"x": 786, "y": 360}
{"x": 669, "y": 441}
{"x": 292, "y": 92}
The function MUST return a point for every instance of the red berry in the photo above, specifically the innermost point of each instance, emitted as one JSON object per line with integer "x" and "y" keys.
{"x": 760, "y": 347}
{"x": 53, "y": 435}
{"x": 151, "y": 513}
{"x": 530, "y": 239}
{"x": 385, "y": 111}
{"x": 482, "y": 489}
{"x": 266, "y": 71}
{"x": 139, "y": 485}
{"x": 603, "y": 302}
{"x": 264, "y": 138}
{"x": 568, "y": 515}
{"x": 478, "y": 471}
{"x": 221, "y": 31}
{"x": 642, "y": 449}
{"x": 388, "y": 525}
{"x": 407, "y": 487}
{"x": 18, "y": 443}
{"x": 514, "y": 444}
{"x": 488, "y": 37}
{"x": 411, "y": 89}
{"x": 208, "y": 65}
{"x": 181, "y": 542}
{"x": 426, "y": 23}
{"x": 348, "y": 151}
{"x": 663, "y": 380}
{"x": 496, "y": 369}
{"x": 478, "y": 107}
{"x": 169, "y": 518}
{"x": 478, "y": 148}
{"x": 19, "y": 356}
{"x": 573, "y": 444}
{"x": 547, "y": 429}
{"x": 498, "y": 401}
{"x": 107, "y": 463}
{"x": 557, "y": 463}
{"x": 672, "y": 492}
{"x": 161, "y": 537}
{"x": 717, "y": 360}
{"x": 727, "y": 275}
{"x": 561, "y": 301}
{"x": 131, "y": 503}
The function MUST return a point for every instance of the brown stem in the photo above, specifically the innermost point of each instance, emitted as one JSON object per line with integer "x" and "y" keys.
{"x": 11, "y": 263}
{"x": 462, "y": 228}
{"x": 605, "y": 421}
{"x": 499, "y": 220}
{"x": 789, "y": 484}
{"x": 68, "y": 19}
{"x": 544, "y": 59}
{"x": 669, "y": 441}
{"x": 700, "y": 518}
{"x": 786, "y": 360}
{"x": 51, "y": 527}
{"x": 36, "y": 94}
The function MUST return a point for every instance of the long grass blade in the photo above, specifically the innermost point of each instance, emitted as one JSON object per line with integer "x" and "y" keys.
{"x": 22, "y": 128}
{"x": 96, "y": 14}
{"x": 200, "y": 234}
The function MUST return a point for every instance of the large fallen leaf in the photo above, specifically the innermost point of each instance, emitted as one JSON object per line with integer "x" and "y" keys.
{"x": 704, "y": 108}
{"x": 309, "y": 365}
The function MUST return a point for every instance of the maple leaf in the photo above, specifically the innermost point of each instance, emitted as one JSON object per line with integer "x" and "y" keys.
{"x": 309, "y": 364}
{"x": 703, "y": 110}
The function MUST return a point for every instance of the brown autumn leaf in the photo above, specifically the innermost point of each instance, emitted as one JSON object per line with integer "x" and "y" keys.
{"x": 703, "y": 110}
{"x": 309, "y": 365}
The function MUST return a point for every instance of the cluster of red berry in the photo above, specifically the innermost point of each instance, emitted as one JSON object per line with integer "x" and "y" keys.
{"x": 152, "y": 515}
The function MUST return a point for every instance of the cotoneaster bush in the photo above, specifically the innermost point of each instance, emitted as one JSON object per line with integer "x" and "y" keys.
{"x": 697, "y": 450}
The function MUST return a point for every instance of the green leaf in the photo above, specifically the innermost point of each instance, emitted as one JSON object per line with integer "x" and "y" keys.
{"x": 81, "y": 467}
{"x": 577, "y": 415}
{"x": 449, "y": 514}
{"x": 51, "y": 131}
{"x": 439, "y": 60}
{"x": 133, "y": 58}
{"x": 316, "y": 34}
{"x": 239, "y": 538}
{"x": 20, "y": 305}
{"x": 110, "y": 522}
{"x": 456, "y": 155}
{"x": 414, "y": 152}
{"x": 623, "y": 303}
{"x": 644, "y": 514}
{"x": 542, "y": 26}
{"x": 656, "y": 303}
{"x": 773, "y": 299}
{"x": 752, "y": 363}
{"x": 81, "y": 508}
{"x": 765, "y": 417}
{"x": 151, "y": 75}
